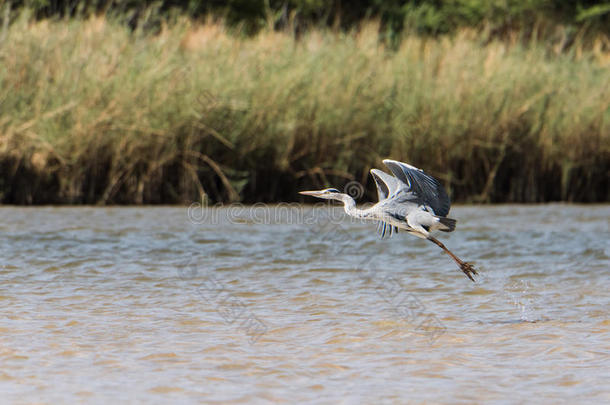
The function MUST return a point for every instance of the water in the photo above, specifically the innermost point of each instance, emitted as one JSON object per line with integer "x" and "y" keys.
{"x": 267, "y": 305}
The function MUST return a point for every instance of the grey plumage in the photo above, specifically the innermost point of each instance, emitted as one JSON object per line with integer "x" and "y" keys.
{"x": 410, "y": 200}
{"x": 425, "y": 187}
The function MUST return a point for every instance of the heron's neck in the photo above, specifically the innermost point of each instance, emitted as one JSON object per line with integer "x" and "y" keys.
{"x": 349, "y": 205}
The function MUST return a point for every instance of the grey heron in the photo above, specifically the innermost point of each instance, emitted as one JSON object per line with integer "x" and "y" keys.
{"x": 409, "y": 199}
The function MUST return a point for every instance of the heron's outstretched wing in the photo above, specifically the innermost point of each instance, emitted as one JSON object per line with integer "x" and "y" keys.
{"x": 387, "y": 185}
{"x": 384, "y": 229}
{"x": 424, "y": 186}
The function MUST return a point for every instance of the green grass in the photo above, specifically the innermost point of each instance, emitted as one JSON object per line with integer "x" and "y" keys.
{"x": 93, "y": 113}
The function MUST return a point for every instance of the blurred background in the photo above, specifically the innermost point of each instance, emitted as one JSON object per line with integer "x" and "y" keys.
{"x": 147, "y": 102}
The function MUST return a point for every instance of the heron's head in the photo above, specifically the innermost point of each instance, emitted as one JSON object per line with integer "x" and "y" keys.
{"x": 327, "y": 194}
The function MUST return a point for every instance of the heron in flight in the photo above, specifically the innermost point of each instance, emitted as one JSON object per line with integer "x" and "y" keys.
{"x": 410, "y": 200}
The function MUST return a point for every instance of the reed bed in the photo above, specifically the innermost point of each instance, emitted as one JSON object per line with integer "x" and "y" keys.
{"x": 91, "y": 112}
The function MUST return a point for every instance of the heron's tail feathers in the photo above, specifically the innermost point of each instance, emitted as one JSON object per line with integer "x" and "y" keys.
{"x": 447, "y": 224}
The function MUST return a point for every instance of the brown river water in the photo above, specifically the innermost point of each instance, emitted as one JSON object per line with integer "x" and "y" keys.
{"x": 299, "y": 304}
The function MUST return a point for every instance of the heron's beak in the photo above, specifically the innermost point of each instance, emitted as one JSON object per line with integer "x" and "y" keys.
{"x": 311, "y": 193}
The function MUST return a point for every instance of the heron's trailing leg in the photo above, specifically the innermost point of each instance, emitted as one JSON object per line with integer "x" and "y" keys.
{"x": 467, "y": 268}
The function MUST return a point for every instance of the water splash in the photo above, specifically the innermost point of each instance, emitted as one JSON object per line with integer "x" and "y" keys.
{"x": 523, "y": 297}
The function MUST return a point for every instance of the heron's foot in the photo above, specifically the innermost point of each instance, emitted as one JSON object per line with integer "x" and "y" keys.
{"x": 469, "y": 270}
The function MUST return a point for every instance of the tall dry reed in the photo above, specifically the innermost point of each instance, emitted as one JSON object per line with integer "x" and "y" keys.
{"x": 93, "y": 113}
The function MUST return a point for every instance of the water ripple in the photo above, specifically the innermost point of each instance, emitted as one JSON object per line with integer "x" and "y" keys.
{"x": 294, "y": 312}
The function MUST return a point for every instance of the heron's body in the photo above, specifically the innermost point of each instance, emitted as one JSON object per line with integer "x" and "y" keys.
{"x": 409, "y": 200}
{"x": 411, "y": 217}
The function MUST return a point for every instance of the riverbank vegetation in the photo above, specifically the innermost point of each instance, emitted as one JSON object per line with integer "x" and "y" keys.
{"x": 96, "y": 111}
